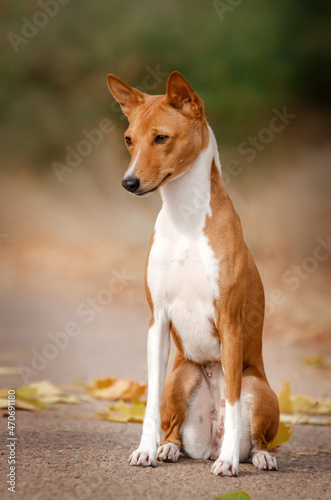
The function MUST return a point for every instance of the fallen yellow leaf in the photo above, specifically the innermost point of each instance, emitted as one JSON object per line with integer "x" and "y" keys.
{"x": 22, "y": 404}
{"x": 26, "y": 392}
{"x": 323, "y": 408}
{"x": 284, "y": 397}
{"x": 49, "y": 393}
{"x": 101, "y": 383}
{"x": 114, "y": 388}
{"x": 38, "y": 395}
{"x": 283, "y": 435}
{"x": 125, "y": 412}
{"x": 299, "y": 403}
{"x": 296, "y": 419}
{"x": 317, "y": 360}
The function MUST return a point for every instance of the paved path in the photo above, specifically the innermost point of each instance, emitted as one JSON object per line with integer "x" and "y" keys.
{"x": 64, "y": 454}
{"x": 68, "y": 453}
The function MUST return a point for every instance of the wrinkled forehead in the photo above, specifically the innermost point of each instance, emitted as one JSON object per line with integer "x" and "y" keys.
{"x": 154, "y": 113}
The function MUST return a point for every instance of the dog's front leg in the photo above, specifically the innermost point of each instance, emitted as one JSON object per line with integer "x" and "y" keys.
{"x": 157, "y": 359}
{"x": 228, "y": 462}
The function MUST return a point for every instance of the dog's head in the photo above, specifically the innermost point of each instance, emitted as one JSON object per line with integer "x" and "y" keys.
{"x": 166, "y": 132}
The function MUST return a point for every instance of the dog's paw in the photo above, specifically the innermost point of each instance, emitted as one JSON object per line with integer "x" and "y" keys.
{"x": 168, "y": 452}
{"x": 224, "y": 468}
{"x": 264, "y": 461}
{"x": 144, "y": 457}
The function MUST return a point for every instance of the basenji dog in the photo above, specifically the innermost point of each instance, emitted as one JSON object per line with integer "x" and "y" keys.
{"x": 203, "y": 288}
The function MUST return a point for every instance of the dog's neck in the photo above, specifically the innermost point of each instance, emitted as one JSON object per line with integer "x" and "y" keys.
{"x": 186, "y": 199}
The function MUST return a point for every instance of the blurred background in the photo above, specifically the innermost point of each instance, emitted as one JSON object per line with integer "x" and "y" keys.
{"x": 263, "y": 70}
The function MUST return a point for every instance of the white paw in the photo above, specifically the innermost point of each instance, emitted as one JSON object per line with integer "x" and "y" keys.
{"x": 168, "y": 452}
{"x": 264, "y": 461}
{"x": 143, "y": 457}
{"x": 224, "y": 468}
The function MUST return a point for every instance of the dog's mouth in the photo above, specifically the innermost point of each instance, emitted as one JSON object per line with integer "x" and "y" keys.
{"x": 149, "y": 191}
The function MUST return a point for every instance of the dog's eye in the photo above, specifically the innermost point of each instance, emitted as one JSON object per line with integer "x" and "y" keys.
{"x": 161, "y": 139}
{"x": 128, "y": 141}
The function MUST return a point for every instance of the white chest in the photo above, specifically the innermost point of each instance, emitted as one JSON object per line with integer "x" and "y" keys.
{"x": 182, "y": 278}
{"x": 182, "y": 272}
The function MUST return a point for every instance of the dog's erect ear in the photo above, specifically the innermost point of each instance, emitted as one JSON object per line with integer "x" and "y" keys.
{"x": 126, "y": 96}
{"x": 180, "y": 95}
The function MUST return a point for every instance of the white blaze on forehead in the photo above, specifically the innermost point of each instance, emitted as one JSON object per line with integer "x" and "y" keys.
{"x": 133, "y": 166}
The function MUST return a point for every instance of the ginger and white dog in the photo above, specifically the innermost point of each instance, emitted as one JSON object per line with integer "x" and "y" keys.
{"x": 203, "y": 288}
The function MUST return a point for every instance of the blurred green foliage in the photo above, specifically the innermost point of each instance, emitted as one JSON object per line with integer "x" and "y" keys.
{"x": 261, "y": 55}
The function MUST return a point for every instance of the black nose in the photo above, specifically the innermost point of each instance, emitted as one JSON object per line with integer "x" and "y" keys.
{"x": 131, "y": 183}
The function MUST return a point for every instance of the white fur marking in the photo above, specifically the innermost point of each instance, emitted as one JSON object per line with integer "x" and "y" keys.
{"x": 215, "y": 147}
{"x": 157, "y": 357}
{"x": 182, "y": 270}
{"x": 228, "y": 462}
{"x": 133, "y": 166}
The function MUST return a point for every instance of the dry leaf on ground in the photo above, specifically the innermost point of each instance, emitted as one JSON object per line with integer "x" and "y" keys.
{"x": 298, "y": 409}
{"x": 22, "y": 404}
{"x": 283, "y": 435}
{"x": 114, "y": 388}
{"x": 38, "y": 396}
{"x": 317, "y": 360}
{"x": 297, "y": 419}
{"x": 125, "y": 412}
{"x": 300, "y": 404}
{"x": 50, "y": 393}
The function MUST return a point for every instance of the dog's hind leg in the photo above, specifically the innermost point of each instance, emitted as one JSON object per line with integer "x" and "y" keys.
{"x": 264, "y": 419}
{"x": 176, "y": 395}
